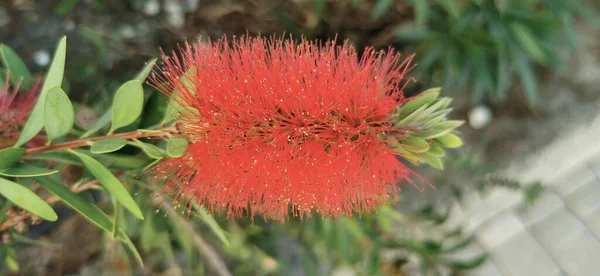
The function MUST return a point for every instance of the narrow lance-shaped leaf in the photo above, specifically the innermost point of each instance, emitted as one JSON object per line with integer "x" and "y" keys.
{"x": 150, "y": 150}
{"x": 108, "y": 145}
{"x": 26, "y": 170}
{"x": 117, "y": 209}
{"x": 10, "y": 156}
{"x": 418, "y": 101}
{"x": 102, "y": 122}
{"x": 213, "y": 225}
{"x": 529, "y": 43}
{"x": 53, "y": 78}
{"x": 58, "y": 113}
{"x": 127, "y": 104}
{"x": 15, "y": 67}
{"x": 114, "y": 187}
{"x": 143, "y": 74}
{"x": 381, "y": 8}
{"x": 87, "y": 210}
{"x": 26, "y": 199}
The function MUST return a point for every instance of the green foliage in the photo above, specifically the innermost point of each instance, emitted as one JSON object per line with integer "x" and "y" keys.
{"x": 127, "y": 105}
{"x": 87, "y": 210}
{"x": 18, "y": 72}
{"x": 177, "y": 147}
{"x": 26, "y": 199}
{"x": 58, "y": 113}
{"x": 110, "y": 183}
{"x": 482, "y": 47}
{"x": 53, "y": 78}
{"x": 114, "y": 160}
{"x": 10, "y": 157}
{"x": 429, "y": 132}
{"x": 26, "y": 170}
{"x": 478, "y": 46}
{"x": 108, "y": 145}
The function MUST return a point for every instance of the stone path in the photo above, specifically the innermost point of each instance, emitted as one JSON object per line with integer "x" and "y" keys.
{"x": 560, "y": 234}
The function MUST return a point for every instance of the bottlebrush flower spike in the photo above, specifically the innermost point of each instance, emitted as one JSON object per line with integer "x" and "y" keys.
{"x": 14, "y": 110}
{"x": 278, "y": 127}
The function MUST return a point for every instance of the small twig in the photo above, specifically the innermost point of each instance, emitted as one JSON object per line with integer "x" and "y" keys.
{"x": 213, "y": 259}
{"x": 86, "y": 141}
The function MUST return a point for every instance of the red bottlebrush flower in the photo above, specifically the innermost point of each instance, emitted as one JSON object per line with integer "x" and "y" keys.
{"x": 282, "y": 126}
{"x": 14, "y": 111}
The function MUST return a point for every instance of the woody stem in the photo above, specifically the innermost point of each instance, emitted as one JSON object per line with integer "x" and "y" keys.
{"x": 158, "y": 133}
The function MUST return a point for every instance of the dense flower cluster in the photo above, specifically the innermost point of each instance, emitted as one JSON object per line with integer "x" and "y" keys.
{"x": 279, "y": 127}
{"x": 14, "y": 111}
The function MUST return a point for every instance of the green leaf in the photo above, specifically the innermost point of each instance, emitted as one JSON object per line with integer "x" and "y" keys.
{"x": 418, "y": 101}
{"x": 117, "y": 209}
{"x": 53, "y": 78}
{"x": 409, "y": 156}
{"x": 449, "y": 140}
{"x": 469, "y": 264}
{"x": 528, "y": 79}
{"x": 177, "y": 147}
{"x": 127, "y": 104}
{"x": 184, "y": 86}
{"x": 411, "y": 118}
{"x": 108, "y": 145}
{"x": 26, "y": 199}
{"x": 114, "y": 187}
{"x": 12, "y": 264}
{"x": 65, "y": 7}
{"x": 16, "y": 67}
{"x": 433, "y": 161}
{"x": 415, "y": 144}
{"x": 102, "y": 122}
{"x": 150, "y": 150}
{"x": 143, "y": 74}
{"x": 529, "y": 43}
{"x": 462, "y": 244}
{"x": 173, "y": 109}
{"x": 432, "y": 245}
{"x": 381, "y": 8}
{"x": 421, "y": 12}
{"x": 87, "y": 210}
{"x": 436, "y": 117}
{"x": 58, "y": 113}
{"x": 451, "y": 7}
{"x": 435, "y": 150}
{"x": 10, "y": 157}
{"x": 213, "y": 225}
{"x": 439, "y": 129}
{"x": 26, "y": 170}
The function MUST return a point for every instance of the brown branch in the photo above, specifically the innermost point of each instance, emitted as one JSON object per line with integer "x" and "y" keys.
{"x": 86, "y": 141}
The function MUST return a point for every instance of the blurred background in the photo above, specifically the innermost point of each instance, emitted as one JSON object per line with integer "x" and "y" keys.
{"x": 522, "y": 197}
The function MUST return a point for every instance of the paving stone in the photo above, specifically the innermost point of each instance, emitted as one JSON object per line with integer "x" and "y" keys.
{"x": 593, "y": 223}
{"x": 573, "y": 247}
{"x": 586, "y": 199}
{"x": 523, "y": 256}
{"x": 594, "y": 165}
{"x": 499, "y": 230}
{"x": 487, "y": 269}
{"x": 567, "y": 184}
{"x": 545, "y": 206}
{"x": 494, "y": 203}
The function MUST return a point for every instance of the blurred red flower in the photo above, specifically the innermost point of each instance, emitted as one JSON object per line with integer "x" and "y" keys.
{"x": 14, "y": 111}
{"x": 279, "y": 127}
